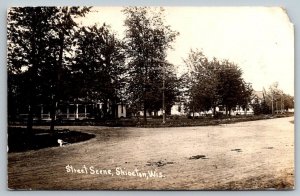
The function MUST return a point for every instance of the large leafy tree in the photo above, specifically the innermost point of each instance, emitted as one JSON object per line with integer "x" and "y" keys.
{"x": 215, "y": 83}
{"x": 147, "y": 41}
{"x": 288, "y": 101}
{"x": 98, "y": 68}
{"x": 232, "y": 89}
{"x": 28, "y": 35}
{"x": 63, "y": 23}
{"x": 38, "y": 39}
{"x": 203, "y": 80}
{"x": 156, "y": 89}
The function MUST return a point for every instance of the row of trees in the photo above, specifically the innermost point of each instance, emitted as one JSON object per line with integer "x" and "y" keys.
{"x": 38, "y": 39}
{"x": 214, "y": 83}
{"x": 52, "y": 60}
{"x": 272, "y": 101}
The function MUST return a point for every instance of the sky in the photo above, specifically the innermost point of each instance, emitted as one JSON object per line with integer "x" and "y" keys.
{"x": 259, "y": 39}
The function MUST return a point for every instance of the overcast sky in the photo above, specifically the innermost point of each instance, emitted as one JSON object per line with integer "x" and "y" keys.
{"x": 259, "y": 39}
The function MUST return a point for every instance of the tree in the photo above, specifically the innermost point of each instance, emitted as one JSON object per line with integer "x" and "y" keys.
{"x": 260, "y": 107}
{"x": 215, "y": 83}
{"x": 63, "y": 22}
{"x": 272, "y": 94}
{"x": 231, "y": 87}
{"x": 147, "y": 40}
{"x": 98, "y": 68}
{"x": 38, "y": 37}
{"x": 288, "y": 102}
{"x": 245, "y": 96}
{"x": 203, "y": 89}
{"x": 277, "y": 100}
{"x": 27, "y": 34}
{"x": 156, "y": 90}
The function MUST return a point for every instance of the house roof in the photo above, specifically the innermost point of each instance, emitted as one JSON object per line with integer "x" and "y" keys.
{"x": 258, "y": 94}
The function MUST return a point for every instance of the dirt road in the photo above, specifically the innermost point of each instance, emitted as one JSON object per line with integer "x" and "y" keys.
{"x": 247, "y": 155}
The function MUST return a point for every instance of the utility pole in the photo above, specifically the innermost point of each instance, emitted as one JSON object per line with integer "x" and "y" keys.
{"x": 272, "y": 102}
{"x": 163, "y": 93}
{"x": 282, "y": 102}
{"x": 163, "y": 98}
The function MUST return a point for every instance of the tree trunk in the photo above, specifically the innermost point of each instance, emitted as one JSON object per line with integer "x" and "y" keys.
{"x": 272, "y": 104}
{"x": 31, "y": 84}
{"x": 145, "y": 114}
{"x": 52, "y": 115}
{"x": 114, "y": 109}
{"x": 214, "y": 111}
{"x": 104, "y": 109}
{"x": 30, "y": 120}
{"x": 193, "y": 111}
{"x": 32, "y": 98}
{"x": 145, "y": 92}
{"x": 57, "y": 87}
{"x": 145, "y": 105}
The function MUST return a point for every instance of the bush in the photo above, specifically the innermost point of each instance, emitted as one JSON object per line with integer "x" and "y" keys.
{"x": 175, "y": 117}
{"x": 218, "y": 115}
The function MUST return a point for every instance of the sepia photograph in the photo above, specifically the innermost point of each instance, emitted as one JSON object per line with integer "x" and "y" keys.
{"x": 150, "y": 98}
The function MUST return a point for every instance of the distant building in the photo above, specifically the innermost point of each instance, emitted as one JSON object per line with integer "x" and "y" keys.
{"x": 257, "y": 95}
{"x": 121, "y": 111}
{"x": 73, "y": 111}
{"x": 179, "y": 107}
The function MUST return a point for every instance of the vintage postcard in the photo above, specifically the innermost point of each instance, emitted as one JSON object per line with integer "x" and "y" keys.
{"x": 150, "y": 98}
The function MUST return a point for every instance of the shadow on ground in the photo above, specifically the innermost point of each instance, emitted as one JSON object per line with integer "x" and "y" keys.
{"x": 19, "y": 140}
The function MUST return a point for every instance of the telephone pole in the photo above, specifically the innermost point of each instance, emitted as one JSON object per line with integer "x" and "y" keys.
{"x": 163, "y": 98}
{"x": 163, "y": 88}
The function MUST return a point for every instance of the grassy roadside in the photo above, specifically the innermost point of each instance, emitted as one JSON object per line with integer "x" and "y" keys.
{"x": 171, "y": 121}
{"x": 19, "y": 140}
{"x": 178, "y": 121}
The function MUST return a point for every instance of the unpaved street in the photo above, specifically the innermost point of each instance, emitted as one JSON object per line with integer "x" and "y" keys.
{"x": 256, "y": 154}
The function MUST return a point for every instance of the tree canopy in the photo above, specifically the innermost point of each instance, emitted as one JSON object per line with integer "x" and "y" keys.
{"x": 52, "y": 60}
{"x": 38, "y": 38}
{"x": 147, "y": 40}
{"x": 98, "y": 68}
{"x": 215, "y": 83}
